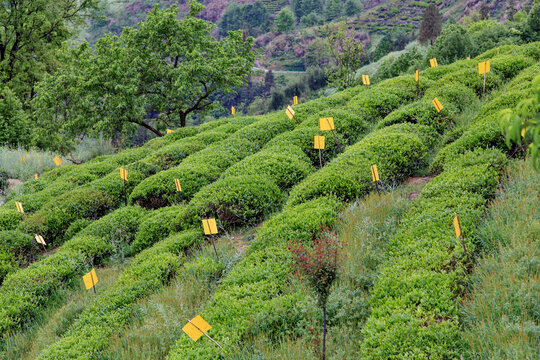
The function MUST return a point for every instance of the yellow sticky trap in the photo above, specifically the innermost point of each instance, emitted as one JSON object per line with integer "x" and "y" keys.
{"x": 124, "y": 174}
{"x": 57, "y": 161}
{"x": 233, "y": 111}
{"x": 177, "y": 183}
{"x": 36, "y": 176}
{"x": 374, "y": 173}
{"x": 295, "y": 100}
{"x": 365, "y": 79}
{"x": 433, "y": 62}
{"x": 209, "y": 226}
{"x": 457, "y": 226}
{"x": 169, "y": 131}
{"x": 326, "y": 123}
{"x": 23, "y": 159}
{"x": 290, "y": 112}
{"x": 319, "y": 142}
{"x": 483, "y": 67}
{"x": 468, "y": 58}
{"x": 417, "y": 75}
{"x": 40, "y": 239}
{"x": 90, "y": 279}
{"x": 437, "y": 104}
{"x": 19, "y": 207}
{"x": 497, "y": 51}
{"x": 196, "y": 328}
{"x": 523, "y": 132}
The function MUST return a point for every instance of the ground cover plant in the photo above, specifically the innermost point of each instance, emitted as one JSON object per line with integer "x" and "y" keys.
{"x": 264, "y": 171}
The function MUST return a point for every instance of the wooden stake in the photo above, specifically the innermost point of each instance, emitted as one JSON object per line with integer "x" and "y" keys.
{"x": 485, "y": 73}
{"x": 377, "y": 187}
{"x": 214, "y": 245}
{"x": 418, "y": 87}
{"x": 320, "y": 158}
{"x": 214, "y": 341}
{"x": 463, "y": 240}
{"x": 125, "y": 192}
{"x": 337, "y": 142}
{"x": 93, "y": 283}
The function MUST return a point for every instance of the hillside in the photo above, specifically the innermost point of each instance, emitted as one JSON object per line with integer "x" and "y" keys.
{"x": 260, "y": 178}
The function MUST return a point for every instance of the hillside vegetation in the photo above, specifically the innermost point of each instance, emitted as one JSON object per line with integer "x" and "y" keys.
{"x": 263, "y": 171}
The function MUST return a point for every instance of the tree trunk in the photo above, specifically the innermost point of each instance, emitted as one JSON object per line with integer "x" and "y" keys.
{"x": 183, "y": 116}
{"x": 324, "y": 334}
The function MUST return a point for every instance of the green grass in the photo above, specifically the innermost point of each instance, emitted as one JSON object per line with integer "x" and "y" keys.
{"x": 501, "y": 316}
{"x": 160, "y": 317}
{"x": 53, "y": 323}
{"x": 365, "y": 227}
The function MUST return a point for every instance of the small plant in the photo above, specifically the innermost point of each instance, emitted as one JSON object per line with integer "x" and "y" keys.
{"x": 319, "y": 266}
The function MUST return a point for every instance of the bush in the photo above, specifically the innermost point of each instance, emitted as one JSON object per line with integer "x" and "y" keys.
{"x": 304, "y": 138}
{"x": 3, "y": 180}
{"x": 396, "y": 152}
{"x": 351, "y": 125}
{"x": 7, "y": 264}
{"x": 452, "y": 93}
{"x": 378, "y": 102}
{"x": 283, "y": 165}
{"x": 156, "y": 226}
{"x": 9, "y": 217}
{"x": 423, "y": 278}
{"x": 76, "y": 227}
{"x": 470, "y": 78}
{"x": 257, "y": 283}
{"x": 57, "y": 215}
{"x": 421, "y": 112}
{"x": 18, "y": 244}
{"x": 238, "y": 200}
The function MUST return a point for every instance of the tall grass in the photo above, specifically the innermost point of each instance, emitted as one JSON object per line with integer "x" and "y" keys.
{"x": 365, "y": 227}
{"x": 501, "y": 316}
{"x": 53, "y": 323}
{"x": 40, "y": 161}
{"x": 160, "y": 318}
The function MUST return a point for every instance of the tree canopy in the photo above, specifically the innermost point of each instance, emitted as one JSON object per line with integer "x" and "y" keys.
{"x": 431, "y": 24}
{"x": 154, "y": 76}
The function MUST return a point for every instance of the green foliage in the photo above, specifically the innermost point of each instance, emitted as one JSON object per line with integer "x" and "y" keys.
{"x": 396, "y": 151}
{"x": 13, "y": 121}
{"x": 421, "y": 112}
{"x": 454, "y": 43}
{"x": 285, "y": 20}
{"x": 431, "y": 24}
{"x": 3, "y": 180}
{"x": 18, "y": 245}
{"x": 254, "y": 18}
{"x": 238, "y": 200}
{"x": 116, "y": 87}
{"x": 333, "y": 9}
{"x": 453, "y": 94}
{"x": 156, "y": 227}
{"x": 423, "y": 277}
{"x": 284, "y": 165}
{"x": 393, "y": 67}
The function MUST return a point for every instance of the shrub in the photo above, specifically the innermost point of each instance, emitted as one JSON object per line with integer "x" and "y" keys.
{"x": 471, "y": 79}
{"x": 395, "y": 151}
{"x": 257, "y": 283}
{"x": 9, "y": 217}
{"x": 421, "y": 112}
{"x": 76, "y": 227}
{"x": 349, "y": 124}
{"x": 283, "y": 165}
{"x": 57, "y": 215}
{"x": 7, "y": 264}
{"x": 378, "y": 102}
{"x": 416, "y": 300}
{"x": 173, "y": 154}
{"x": 156, "y": 226}
{"x": 304, "y": 138}
{"x": 452, "y": 93}
{"x": 16, "y": 243}
{"x": 34, "y": 202}
{"x": 238, "y": 200}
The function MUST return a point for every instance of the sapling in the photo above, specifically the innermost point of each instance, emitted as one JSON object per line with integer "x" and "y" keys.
{"x": 319, "y": 265}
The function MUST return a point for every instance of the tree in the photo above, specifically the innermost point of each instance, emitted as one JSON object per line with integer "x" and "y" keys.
{"x": 352, "y": 8}
{"x": 453, "y": 44}
{"x": 431, "y": 25}
{"x": 317, "y": 53}
{"x": 254, "y": 18}
{"x": 333, "y": 9}
{"x": 153, "y": 76}
{"x": 511, "y": 10}
{"x": 532, "y": 27}
{"x": 12, "y": 119}
{"x": 268, "y": 81}
{"x": 484, "y": 11}
{"x": 346, "y": 52}
{"x": 285, "y": 20}
{"x": 31, "y": 33}
{"x": 319, "y": 266}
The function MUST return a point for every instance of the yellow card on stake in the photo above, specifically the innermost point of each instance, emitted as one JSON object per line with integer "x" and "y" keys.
{"x": 39, "y": 239}
{"x": 19, "y": 207}
{"x": 177, "y": 184}
{"x": 319, "y": 142}
{"x": 483, "y": 67}
{"x": 326, "y": 123}
{"x": 210, "y": 227}
{"x": 57, "y": 161}
{"x": 365, "y": 79}
{"x": 417, "y": 75}
{"x": 196, "y": 328}
{"x": 169, "y": 131}
{"x": 124, "y": 174}
{"x": 90, "y": 279}
{"x": 457, "y": 226}
{"x": 374, "y": 173}
{"x": 295, "y": 100}
{"x": 437, "y": 104}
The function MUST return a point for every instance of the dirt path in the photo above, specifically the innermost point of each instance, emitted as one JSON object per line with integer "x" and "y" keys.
{"x": 417, "y": 183}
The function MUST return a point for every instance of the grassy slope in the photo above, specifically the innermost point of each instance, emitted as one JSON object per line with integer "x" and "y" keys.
{"x": 368, "y": 106}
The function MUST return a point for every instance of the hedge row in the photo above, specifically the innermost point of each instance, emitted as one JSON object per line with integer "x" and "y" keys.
{"x": 256, "y": 282}
{"x": 485, "y": 130}
{"x": 15, "y": 249}
{"x": 396, "y": 150}
{"x": 415, "y": 303}
{"x": 206, "y": 166}
{"x": 27, "y": 291}
{"x": 92, "y": 332}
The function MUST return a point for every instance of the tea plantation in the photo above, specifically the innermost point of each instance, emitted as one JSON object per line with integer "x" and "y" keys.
{"x": 262, "y": 173}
